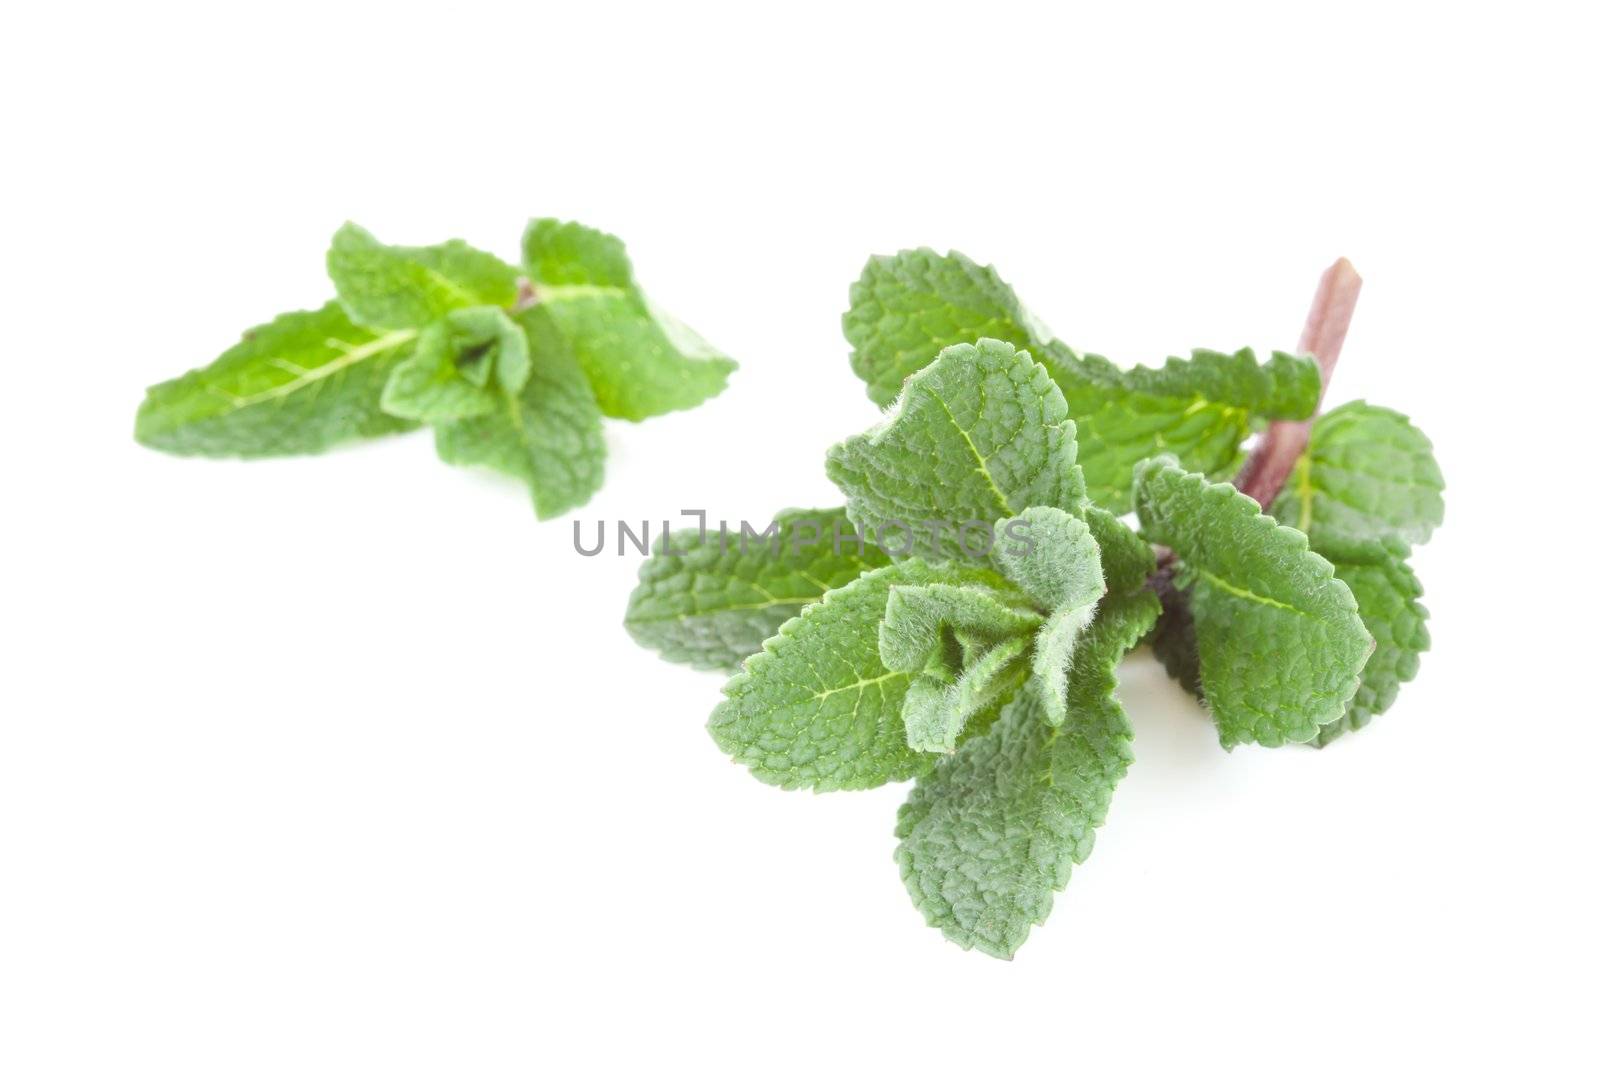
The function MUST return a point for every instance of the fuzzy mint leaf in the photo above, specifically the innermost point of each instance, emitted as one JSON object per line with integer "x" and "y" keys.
{"x": 713, "y": 605}
{"x": 1367, "y": 474}
{"x": 978, "y": 435}
{"x": 301, "y": 383}
{"x": 1059, "y": 565}
{"x": 817, "y": 708}
{"x": 641, "y": 361}
{"x": 942, "y": 703}
{"x": 906, "y": 308}
{"x": 990, "y": 834}
{"x": 1279, "y": 640}
{"x": 395, "y": 287}
{"x": 448, "y": 376}
{"x": 547, "y": 435}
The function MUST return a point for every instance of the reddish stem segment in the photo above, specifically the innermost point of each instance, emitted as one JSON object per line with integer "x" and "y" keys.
{"x": 1328, "y": 321}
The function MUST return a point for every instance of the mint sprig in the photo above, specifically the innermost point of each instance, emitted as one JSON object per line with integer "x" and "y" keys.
{"x": 512, "y": 367}
{"x": 989, "y": 676}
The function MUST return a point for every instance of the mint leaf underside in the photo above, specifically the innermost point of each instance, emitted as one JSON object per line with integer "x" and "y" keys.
{"x": 906, "y": 308}
{"x": 1279, "y": 639}
{"x": 513, "y": 374}
{"x": 720, "y": 596}
{"x": 976, "y": 437}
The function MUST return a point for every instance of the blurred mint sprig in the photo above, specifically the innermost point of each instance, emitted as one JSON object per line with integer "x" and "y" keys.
{"x": 512, "y": 367}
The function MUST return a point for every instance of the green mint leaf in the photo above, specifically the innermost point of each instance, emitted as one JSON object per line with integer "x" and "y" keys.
{"x": 1054, "y": 649}
{"x": 713, "y": 602}
{"x": 1124, "y": 557}
{"x": 1389, "y": 597}
{"x": 446, "y": 377}
{"x": 395, "y": 287}
{"x": 940, "y": 704}
{"x": 640, "y": 360}
{"x": 990, "y": 834}
{"x": 906, "y": 308}
{"x": 1058, "y": 565}
{"x": 1367, "y": 474}
{"x": 816, "y": 708}
{"x": 548, "y": 434}
{"x": 301, "y": 383}
{"x": 917, "y": 617}
{"x": 1279, "y": 639}
{"x": 978, "y": 435}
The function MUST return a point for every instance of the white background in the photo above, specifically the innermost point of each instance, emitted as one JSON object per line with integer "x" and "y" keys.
{"x": 347, "y": 760}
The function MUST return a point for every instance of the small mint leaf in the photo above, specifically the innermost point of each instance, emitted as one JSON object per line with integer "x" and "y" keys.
{"x": 1054, "y": 558}
{"x": 547, "y": 435}
{"x": 394, "y": 287}
{"x": 1367, "y": 474}
{"x": 447, "y": 377}
{"x": 640, "y": 360}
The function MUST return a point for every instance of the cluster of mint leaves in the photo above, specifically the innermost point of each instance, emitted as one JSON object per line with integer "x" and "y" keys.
{"x": 512, "y": 367}
{"x": 991, "y": 680}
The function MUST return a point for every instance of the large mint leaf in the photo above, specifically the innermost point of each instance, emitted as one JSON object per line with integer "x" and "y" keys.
{"x": 715, "y": 600}
{"x": 641, "y": 361}
{"x": 816, "y": 708}
{"x": 990, "y": 834}
{"x": 301, "y": 383}
{"x": 547, "y": 435}
{"x": 395, "y": 287}
{"x": 906, "y": 308}
{"x": 1366, "y": 475}
{"x": 1279, "y": 638}
{"x": 979, "y": 435}
{"x": 1389, "y": 597}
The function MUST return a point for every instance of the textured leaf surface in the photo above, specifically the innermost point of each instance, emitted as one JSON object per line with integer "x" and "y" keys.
{"x": 1389, "y": 597}
{"x": 1366, "y": 475}
{"x": 916, "y": 618}
{"x": 715, "y": 604}
{"x": 979, "y": 435}
{"x": 641, "y": 361}
{"x": 990, "y": 834}
{"x": 301, "y": 383}
{"x": 394, "y": 287}
{"x": 1279, "y": 639}
{"x": 906, "y": 308}
{"x": 939, "y": 706}
{"x": 1060, "y": 566}
{"x": 817, "y": 708}
{"x": 548, "y": 435}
